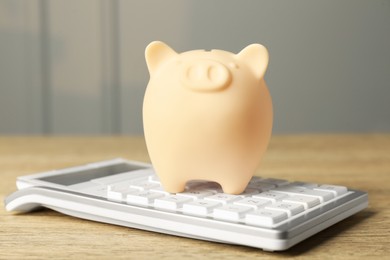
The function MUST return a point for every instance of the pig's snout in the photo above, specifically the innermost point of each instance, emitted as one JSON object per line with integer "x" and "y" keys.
{"x": 205, "y": 75}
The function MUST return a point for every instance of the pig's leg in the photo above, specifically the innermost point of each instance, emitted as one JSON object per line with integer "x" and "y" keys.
{"x": 173, "y": 185}
{"x": 234, "y": 185}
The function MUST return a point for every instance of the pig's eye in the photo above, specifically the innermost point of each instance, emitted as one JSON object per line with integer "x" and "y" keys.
{"x": 233, "y": 65}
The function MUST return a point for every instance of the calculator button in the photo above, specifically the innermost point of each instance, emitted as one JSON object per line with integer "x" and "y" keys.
{"x": 119, "y": 185}
{"x": 321, "y": 195}
{"x": 262, "y": 186}
{"x": 231, "y": 212}
{"x": 223, "y": 198}
{"x": 255, "y": 180}
{"x": 159, "y": 189}
{"x": 265, "y": 217}
{"x": 336, "y": 190}
{"x": 253, "y": 202}
{"x": 304, "y": 184}
{"x": 270, "y": 195}
{"x": 295, "y": 190}
{"x": 195, "y": 193}
{"x": 171, "y": 202}
{"x": 306, "y": 201}
{"x": 290, "y": 208}
{"x": 276, "y": 182}
{"x": 144, "y": 185}
{"x": 154, "y": 178}
{"x": 144, "y": 198}
{"x": 116, "y": 194}
{"x": 256, "y": 183}
{"x": 248, "y": 192}
{"x": 291, "y": 189}
{"x": 200, "y": 207}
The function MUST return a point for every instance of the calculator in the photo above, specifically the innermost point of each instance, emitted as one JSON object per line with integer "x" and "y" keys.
{"x": 271, "y": 214}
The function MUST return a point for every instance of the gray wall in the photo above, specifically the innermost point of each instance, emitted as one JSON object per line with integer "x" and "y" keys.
{"x": 77, "y": 67}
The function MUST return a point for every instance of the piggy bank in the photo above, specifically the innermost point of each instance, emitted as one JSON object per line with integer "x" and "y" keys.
{"x": 207, "y": 115}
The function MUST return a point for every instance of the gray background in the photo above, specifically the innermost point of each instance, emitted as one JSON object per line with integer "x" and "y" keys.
{"x": 77, "y": 67}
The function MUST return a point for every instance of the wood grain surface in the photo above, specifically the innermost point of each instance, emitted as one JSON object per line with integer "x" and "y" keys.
{"x": 357, "y": 161}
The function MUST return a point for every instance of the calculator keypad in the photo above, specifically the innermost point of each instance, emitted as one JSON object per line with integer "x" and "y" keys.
{"x": 264, "y": 203}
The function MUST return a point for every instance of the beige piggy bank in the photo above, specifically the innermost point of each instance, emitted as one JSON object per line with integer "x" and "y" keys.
{"x": 207, "y": 115}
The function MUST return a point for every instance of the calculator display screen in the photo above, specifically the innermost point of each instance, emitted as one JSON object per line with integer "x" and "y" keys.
{"x": 74, "y": 177}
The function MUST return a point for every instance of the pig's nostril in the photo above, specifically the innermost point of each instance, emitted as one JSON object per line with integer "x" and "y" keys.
{"x": 215, "y": 74}
{"x": 205, "y": 76}
{"x": 195, "y": 73}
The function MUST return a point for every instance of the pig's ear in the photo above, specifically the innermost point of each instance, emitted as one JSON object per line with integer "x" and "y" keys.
{"x": 156, "y": 53}
{"x": 256, "y": 56}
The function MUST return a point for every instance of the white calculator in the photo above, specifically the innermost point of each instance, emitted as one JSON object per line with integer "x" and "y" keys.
{"x": 271, "y": 214}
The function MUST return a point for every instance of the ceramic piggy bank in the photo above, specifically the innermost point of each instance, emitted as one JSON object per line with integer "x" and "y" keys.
{"x": 207, "y": 115}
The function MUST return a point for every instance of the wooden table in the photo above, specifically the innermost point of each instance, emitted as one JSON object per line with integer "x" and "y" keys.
{"x": 357, "y": 161}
